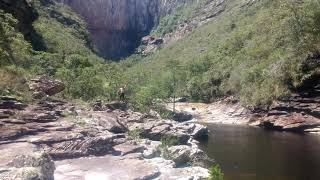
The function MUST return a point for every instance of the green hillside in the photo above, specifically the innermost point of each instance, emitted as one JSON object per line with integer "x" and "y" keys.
{"x": 255, "y": 52}
{"x": 66, "y": 51}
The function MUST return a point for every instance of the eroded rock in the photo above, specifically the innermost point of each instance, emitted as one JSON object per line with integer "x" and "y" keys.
{"x": 46, "y": 85}
{"x": 35, "y": 166}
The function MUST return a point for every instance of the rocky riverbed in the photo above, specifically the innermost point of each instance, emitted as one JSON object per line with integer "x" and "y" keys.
{"x": 53, "y": 139}
{"x": 298, "y": 112}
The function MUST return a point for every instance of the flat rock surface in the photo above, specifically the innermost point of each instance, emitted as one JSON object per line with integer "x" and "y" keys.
{"x": 9, "y": 151}
{"x": 104, "y": 168}
{"x": 217, "y": 112}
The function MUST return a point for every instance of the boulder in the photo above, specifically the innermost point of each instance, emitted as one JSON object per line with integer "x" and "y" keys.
{"x": 199, "y": 131}
{"x": 182, "y": 116}
{"x": 117, "y": 105}
{"x": 97, "y": 106}
{"x": 46, "y": 85}
{"x": 37, "y": 166}
{"x": 179, "y": 154}
{"x": 112, "y": 124}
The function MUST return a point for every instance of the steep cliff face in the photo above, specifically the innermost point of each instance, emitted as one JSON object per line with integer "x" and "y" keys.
{"x": 117, "y": 26}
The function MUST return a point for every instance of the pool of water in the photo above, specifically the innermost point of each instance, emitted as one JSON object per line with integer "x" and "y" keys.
{"x": 249, "y": 153}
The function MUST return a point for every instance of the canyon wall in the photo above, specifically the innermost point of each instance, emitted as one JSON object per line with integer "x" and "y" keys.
{"x": 117, "y": 26}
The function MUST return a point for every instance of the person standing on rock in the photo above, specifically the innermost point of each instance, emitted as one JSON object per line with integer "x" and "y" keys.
{"x": 121, "y": 93}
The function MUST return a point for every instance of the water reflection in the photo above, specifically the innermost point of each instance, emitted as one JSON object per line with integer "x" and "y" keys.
{"x": 247, "y": 153}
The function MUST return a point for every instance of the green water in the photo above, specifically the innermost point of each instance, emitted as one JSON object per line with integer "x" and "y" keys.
{"x": 248, "y": 153}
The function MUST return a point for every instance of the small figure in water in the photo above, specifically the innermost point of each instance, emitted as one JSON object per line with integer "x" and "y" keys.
{"x": 121, "y": 93}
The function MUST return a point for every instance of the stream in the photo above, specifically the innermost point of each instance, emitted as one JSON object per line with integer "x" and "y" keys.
{"x": 250, "y": 153}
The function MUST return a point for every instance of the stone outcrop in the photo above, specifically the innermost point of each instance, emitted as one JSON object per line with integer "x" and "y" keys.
{"x": 8, "y": 103}
{"x": 45, "y": 85}
{"x": 296, "y": 113}
{"x": 89, "y": 142}
{"x": 35, "y": 166}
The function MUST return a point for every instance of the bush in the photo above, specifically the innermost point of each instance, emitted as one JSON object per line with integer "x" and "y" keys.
{"x": 216, "y": 173}
{"x": 168, "y": 141}
{"x": 135, "y": 134}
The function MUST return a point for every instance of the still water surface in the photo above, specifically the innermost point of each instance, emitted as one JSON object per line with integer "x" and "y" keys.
{"x": 249, "y": 153}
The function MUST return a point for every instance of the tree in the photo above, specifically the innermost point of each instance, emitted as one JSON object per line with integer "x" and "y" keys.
{"x": 173, "y": 66}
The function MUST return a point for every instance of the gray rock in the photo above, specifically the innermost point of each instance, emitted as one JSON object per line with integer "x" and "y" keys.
{"x": 112, "y": 124}
{"x": 37, "y": 166}
{"x": 182, "y": 117}
{"x": 199, "y": 131}
{"x": 127, "y": 148}
{"x": 106, "y": 167}
{"x": 179, "y": 154}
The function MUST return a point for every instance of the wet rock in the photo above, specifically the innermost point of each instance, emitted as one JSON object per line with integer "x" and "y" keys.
{"x": 46, "y": 85}
{"x": 199, "y": 131}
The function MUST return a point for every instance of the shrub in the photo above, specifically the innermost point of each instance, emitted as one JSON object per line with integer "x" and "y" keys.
{"x": 168, "y": 141}
{"x": 216, "y": 173}
{"x": 135, "y": 134}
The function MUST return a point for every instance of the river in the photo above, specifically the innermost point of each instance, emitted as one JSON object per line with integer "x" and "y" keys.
{"x": 249, "y": 153}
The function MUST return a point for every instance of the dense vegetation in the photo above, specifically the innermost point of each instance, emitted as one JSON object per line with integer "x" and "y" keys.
{"x": 255, "y": 53}
{"x": 68, "y": 54}
{"x": 183, "y": 13}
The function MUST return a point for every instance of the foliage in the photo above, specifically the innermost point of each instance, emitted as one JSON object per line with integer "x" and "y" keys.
{"x": 168, "y": 141}
{"x": 69, "y": 54}
{"x": 135, "y": 134}
{"x": 181, "y": 14}
{"x": 216, "y": 173}
{"x": 14, "y": 50}
{"x": 255, "y": 54}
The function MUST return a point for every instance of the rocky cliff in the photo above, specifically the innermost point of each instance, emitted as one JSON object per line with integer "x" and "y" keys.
{"x": 117, "y": 26}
